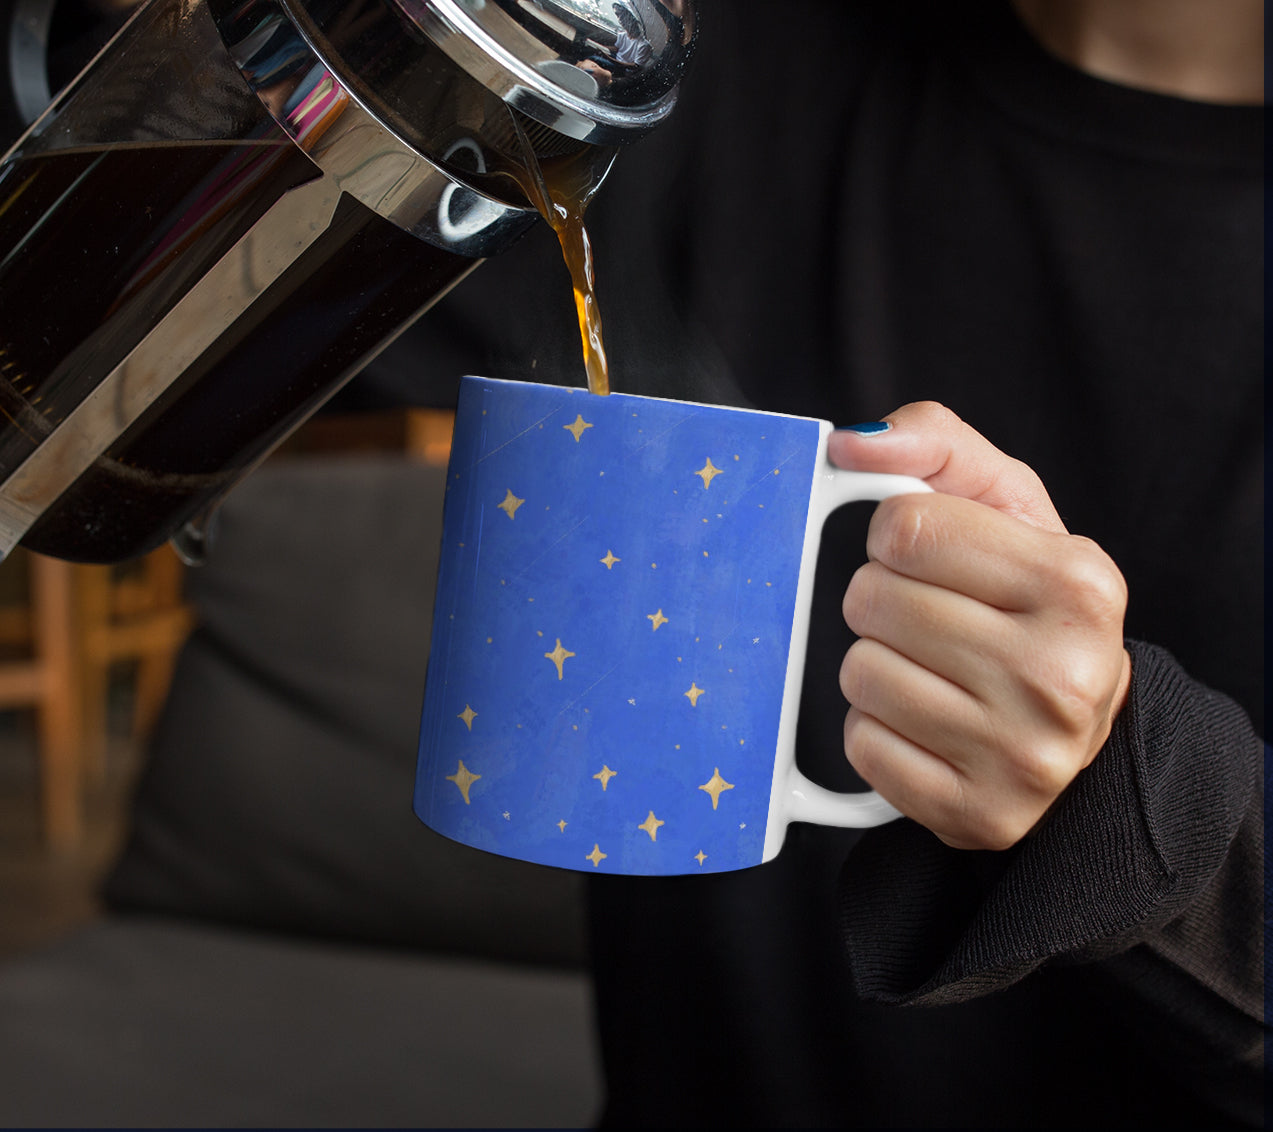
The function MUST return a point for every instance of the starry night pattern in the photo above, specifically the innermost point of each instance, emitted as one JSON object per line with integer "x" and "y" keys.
{"x": 612, "y": 628}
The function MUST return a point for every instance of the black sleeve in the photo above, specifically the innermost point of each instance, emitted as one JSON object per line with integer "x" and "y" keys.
{"x": 1148, "y": 870}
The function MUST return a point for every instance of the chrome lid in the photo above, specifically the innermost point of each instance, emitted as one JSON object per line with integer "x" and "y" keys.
{"x": 599, "y": 71}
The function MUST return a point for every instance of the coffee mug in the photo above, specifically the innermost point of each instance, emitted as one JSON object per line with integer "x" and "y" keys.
{"x": 619, "y": 631}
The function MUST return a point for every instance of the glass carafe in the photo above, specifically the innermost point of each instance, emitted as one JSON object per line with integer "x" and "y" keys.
{"x": 240, "y": 202}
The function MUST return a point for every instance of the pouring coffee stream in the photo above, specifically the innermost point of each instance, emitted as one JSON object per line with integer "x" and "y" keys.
{"x": 561, "y": 200}
{"x": 240, "y": 202}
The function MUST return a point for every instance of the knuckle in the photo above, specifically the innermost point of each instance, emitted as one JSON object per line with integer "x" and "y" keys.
{"x": 1071, "y": 685}
{"x": 851, "y": 674}
{"x": 1070, "y": 702}
{"x": 860, "y": 598}
{"x": 1020, "y": 485}
{"x": 854, "y": 599}
{"x": 1044, "y": 770}
{"x": 864, "y": 756}
{"x": 901, "y": 531}
{"x": 1090, "y": 581}
{"x": 933, "y": 415}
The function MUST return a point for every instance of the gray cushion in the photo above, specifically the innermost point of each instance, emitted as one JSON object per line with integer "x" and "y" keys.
{"x": 146, "y": 1023}
{"x": 278, "y": 789}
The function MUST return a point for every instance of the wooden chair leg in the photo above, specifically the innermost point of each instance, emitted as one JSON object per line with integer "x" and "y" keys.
{"x": 150, "y": 690}
{"x": 165, "y": 576}
{"x": 138, "y": 619}
{"x": 59, "y": 713}
{"x": 93, "y": 593}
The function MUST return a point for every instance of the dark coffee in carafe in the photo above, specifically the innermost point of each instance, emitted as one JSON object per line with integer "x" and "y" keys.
{"x": 99, "y": 280}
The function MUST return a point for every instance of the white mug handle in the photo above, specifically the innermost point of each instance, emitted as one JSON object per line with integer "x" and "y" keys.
{"x": 803, "y": 799}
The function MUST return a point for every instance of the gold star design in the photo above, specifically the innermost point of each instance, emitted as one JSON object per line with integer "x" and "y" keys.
{"x": 693, "y": 694}
{"x": 558, "y": 657}
{"x": 464, "y": 779}
{"x": 715, "y": 786}
{"x": 708, "y": 472}
{"x": 577, "y": 427}
{"x": 609, "y": 560}
{"x": 510, "y": 504}
{"x": 561, "y": 825}
{"x": 468, "y": 715}
{"x": 604, "y": 775}
{"x": 651, "y": 826}
{"x": 596, "y": 856}
{"x": 700, "y": 857}
{"x": 657, "y": 618}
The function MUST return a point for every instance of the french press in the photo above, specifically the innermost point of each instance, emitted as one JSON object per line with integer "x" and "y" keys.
{"x": 238, "y": 203}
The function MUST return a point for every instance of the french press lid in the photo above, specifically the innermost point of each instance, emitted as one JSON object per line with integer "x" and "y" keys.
{"x": 469, "y": 84}
{"x": 594, "y": 70}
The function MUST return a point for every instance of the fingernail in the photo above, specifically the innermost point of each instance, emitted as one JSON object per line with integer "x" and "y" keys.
{"x": 868, "y": 428}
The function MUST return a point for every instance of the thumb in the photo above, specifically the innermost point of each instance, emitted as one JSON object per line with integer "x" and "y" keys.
{"x": 928, "y": 441}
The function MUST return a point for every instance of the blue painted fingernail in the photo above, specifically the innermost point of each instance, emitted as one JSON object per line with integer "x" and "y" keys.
{"x": 868, "y": 428}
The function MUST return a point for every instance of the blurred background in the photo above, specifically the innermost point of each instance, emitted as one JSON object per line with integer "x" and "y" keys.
{"x": 86, "y": 655}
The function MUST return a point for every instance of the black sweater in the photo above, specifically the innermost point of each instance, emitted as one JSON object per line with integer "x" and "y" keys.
{"x": 851, "y": 210}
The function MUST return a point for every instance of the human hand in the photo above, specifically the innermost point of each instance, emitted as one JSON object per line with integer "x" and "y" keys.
{"x": 990, "y": 665}
{"x": 597, "y": 71}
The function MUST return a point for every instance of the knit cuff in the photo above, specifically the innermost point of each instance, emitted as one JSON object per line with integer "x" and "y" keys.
{"x": 1135, "y": 834}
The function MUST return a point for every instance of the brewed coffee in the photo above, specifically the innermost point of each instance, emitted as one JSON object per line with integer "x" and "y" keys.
{"x": 148, "y": 222}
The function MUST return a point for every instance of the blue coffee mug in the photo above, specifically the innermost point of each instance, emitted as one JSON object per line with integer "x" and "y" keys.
{"x": 619, "y": 630}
